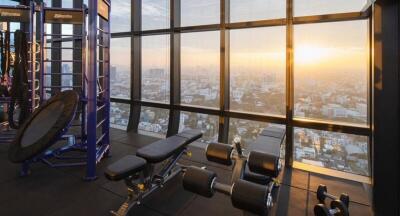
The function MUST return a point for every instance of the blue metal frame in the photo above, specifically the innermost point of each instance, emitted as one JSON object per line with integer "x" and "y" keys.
{"x": 95, "y": 103}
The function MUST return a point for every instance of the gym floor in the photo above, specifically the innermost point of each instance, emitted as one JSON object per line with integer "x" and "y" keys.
{"x": 56, "y": 192}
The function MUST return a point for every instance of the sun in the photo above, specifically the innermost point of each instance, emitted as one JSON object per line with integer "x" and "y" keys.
{"x": 309, "y": 54}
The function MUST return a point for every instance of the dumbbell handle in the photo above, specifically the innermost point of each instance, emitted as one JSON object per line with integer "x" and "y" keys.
{"x": 330, "y": 196}
{"x": 222, "y": 188}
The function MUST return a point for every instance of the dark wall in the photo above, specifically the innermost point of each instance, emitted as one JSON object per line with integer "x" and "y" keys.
{"x": 386, "y": 119}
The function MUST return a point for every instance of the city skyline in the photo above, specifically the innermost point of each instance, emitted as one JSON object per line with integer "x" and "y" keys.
{"x": 330, "y": 71}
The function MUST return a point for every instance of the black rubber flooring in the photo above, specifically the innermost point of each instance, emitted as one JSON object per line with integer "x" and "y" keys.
{"x": 62, "y": 192}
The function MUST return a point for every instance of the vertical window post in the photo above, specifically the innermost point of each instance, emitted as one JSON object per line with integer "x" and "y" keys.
{"x": 175, "y": 66}
{"x": 224, "y": 72}
{"x": 136, "y": 22}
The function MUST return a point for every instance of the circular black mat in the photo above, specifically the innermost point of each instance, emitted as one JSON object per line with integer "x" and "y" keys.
{"x": 44, "y": 127}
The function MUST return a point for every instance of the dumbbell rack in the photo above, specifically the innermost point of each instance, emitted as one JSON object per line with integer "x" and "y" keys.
{"x": 25, "y": 15}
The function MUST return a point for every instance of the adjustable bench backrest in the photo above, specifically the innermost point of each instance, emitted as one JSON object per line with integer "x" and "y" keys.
{"x": 163, "y": 149}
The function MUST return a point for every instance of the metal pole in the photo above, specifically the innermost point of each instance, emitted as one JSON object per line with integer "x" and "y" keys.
{"x": 42, "y": 52}
{"x": 289, "y": 84}
{"x": 92, "y": 92}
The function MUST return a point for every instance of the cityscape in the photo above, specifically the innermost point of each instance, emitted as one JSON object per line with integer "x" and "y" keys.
{"x": 330, "y": 82}
{"x": 343, "y": 152}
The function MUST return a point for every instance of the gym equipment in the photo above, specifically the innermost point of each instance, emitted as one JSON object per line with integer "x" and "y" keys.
{"x": 322, "y": 194}
{"x": 138, "y": 170}
{"x": 337, "y": 208}
{"x": 245, "y": 195}
{"x": 19, "y": 91}
{"x": 43, "y": 128}
{"x": 339, "y": 205}
{"x": 92, "y": 119}
{"x": 253, "y": 177}
{"x": 88, "y": 133}
{"x": 18, "y": 64}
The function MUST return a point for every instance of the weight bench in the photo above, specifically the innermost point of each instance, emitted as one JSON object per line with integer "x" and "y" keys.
{"x": 138, "y": 170}
{"x": 254, "y": 172}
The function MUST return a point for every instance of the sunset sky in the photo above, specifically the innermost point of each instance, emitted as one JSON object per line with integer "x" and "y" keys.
{"x": 319, "y": 48}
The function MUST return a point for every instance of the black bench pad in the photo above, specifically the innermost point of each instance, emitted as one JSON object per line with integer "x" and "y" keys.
{"x": 124, "y": 167}
{"x": 191, "y": 135}
{"x": 160, "y": 150}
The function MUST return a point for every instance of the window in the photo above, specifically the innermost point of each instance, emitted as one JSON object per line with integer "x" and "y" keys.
{"x": 155, "y": 14}
{"x": 319, "y": 7}
{"x": 121, "y": 16}
{"x": 331, "y": 71}
{"x": 195, "y": 12}
{"x": 247, "y": 130}
{"x": 67, "y": 3}
{"x": 153, "y": 121}
{"x": 208, "y": 124}
{"x": 155, "y": 68}
{"x": 119, "y": 115}
{"x": 253, "y": 10}
{"x": 8, "y": 2}
{"x": 120, "y": 54}
{"x": 339, "y": 151}
{"x": 257, "y": 70}
{"x": 200, "y": 58}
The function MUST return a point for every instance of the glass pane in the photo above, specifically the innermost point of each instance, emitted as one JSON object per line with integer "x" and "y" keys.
{"x": 121, "y": 16}
{"x": 120, "y": 70}
{"x": 257, "y": 70}
{"x": 331, "y": 71}
{"x": 67, "y": 3}
{"x": 195, "y": 12}
{"x": 247, "y": 130}
{"x": 200, "y": 69}
{"x": 155, "y": 14}
{"x": 208, "y": 124}
{"x": 252, "y": 10}
{"x": 153, "y": 121}
{"x": 119, "y": 115}
{"x": 155, "y": 68}
{"x": 8, "y": 2}
{"x": 339, "y": 151}
{"x": 319, "y": 7}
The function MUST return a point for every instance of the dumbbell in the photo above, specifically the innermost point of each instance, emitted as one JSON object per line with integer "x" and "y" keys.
{"x": 337, "y": 208}
{"x": 244, "y": 195}
{"x": 322, "y": 194}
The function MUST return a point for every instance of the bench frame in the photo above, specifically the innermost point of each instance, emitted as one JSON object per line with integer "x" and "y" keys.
{"x": 145, "y": 182}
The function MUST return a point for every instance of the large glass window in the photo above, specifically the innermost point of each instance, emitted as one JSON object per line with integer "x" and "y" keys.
{"x": 155, "y": 68}
{"x": 200, "y": 59}
{"x": 331, "y": 71}
{"x": 319, "y": 7}
{"x": 195, "y": 12}
{"x": 344, "y": 152}
{"x": 120, "y": 70}
{"x": 121, "y": 16}
{"x": 330, "y": 65}
{"x": 119, "y": 115}
{"x": 254, "y": 10}
{"x": 257, "y": 70}
{"x": 153, "y": 121}
{"x": 155, "y": 14}
{"x": 208, "y": 124}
